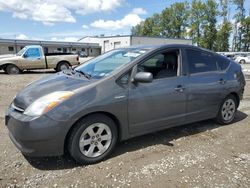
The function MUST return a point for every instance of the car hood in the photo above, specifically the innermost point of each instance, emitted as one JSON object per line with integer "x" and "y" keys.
{"x": 8, "y": 57}
{"x": 49, "y": 84}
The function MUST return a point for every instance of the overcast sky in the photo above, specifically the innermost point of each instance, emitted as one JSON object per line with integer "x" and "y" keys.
{"x": 70, "y": 20}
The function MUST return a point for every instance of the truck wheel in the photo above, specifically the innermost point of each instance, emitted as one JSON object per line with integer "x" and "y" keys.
{"x": 92, "y": 139}
{"x": 62, "y": 66}
{"x": 227, "y": 110}
{"x": 12, "y": 69}
{"x": 242, "y": 61}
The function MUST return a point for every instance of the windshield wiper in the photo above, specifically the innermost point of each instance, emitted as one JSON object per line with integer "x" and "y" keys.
{"x": 88, "y": 76}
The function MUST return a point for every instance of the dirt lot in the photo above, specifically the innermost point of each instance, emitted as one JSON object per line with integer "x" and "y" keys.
{"x": 203, "y": 154}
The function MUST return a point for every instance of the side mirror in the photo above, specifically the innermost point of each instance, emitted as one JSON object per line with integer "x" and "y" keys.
{"x": 25, "y": 55}
{"x": 143, "y": 77}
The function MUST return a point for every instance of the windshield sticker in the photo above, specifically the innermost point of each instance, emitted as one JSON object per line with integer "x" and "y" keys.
{"x": 131, "y": 54}
{"x": 142, "y": 51}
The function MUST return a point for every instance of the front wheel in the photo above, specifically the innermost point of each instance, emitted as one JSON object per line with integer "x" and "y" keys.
{"x": 227, "y": 110}
{"x": 12, "y": 69}
{"x": 92, "y": 139}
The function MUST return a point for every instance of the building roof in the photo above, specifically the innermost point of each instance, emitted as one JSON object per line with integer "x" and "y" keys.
{"x": 48, "y": 43}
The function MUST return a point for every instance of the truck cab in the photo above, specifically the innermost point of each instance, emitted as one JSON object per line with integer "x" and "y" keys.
{"x": 32, "y": 57}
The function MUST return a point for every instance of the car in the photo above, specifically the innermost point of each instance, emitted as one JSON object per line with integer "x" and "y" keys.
{"x": 243, "y": 59}
{"x": 121, "y": 94}
{"x": 82, "y": 54}
{"x": 230, "y": 56}
{"x": 33, "y": 57}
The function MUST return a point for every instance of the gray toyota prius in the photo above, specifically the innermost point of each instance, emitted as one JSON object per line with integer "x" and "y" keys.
{"x": 121, "y": 94}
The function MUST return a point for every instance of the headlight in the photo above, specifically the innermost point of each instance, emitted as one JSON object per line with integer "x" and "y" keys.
{"x": 47, "y": 102}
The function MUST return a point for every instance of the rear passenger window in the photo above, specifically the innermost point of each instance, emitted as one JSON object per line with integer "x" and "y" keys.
{"x": 200, "y": 61}
{"x": 222, "y": 63}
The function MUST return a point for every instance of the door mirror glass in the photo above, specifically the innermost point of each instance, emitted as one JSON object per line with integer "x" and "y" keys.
{"x": 143, "y": 77}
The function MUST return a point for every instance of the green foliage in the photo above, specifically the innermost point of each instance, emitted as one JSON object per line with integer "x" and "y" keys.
{"x": 245, "y": 28}
{"x": 209, "y": 25}
{"x": 223, "y": 34}
{"x": 239, "y": 17}
{"x": 198, "y": 20}
{"x": 175, "y": 20}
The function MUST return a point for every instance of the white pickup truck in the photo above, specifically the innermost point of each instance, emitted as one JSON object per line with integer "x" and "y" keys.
{"x": 33, "y": 57}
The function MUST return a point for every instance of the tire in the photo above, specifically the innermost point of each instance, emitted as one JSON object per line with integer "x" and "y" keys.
{"x": 227, "y": 110}
{"x": 242, "y": 61}
{"x": 86, "y": 144}
{"x": 12, "y": 69}
{"x": 62, "y": 66}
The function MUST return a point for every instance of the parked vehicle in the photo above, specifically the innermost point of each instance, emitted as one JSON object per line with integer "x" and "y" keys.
{"x": 33, "y": 57}
{"x": 122, "y": 94}
{"x": 230, "y": 56}
{"x": 243, "y": 59}
{"x": 83, "y": 54}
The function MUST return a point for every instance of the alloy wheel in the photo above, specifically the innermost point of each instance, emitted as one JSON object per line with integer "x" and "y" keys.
{"x": 228, "y": 110}
{"x": 95, "y": 140}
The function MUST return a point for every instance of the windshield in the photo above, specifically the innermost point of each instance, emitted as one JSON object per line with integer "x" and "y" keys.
{"x": 105, "y": 64}
{"x": 21, "y": 51}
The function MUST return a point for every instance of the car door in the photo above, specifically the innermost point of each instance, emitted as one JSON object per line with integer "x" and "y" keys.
{"x": 161, "y": 103}
{"x": 32, "y": 59}
{"x": 205, "y": 85}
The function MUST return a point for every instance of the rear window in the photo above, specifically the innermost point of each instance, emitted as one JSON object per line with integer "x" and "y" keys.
{"x": 222, "y": 63}
{"x": 200, "y": 61}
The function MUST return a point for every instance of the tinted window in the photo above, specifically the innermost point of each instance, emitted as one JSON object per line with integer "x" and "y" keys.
{"x": 200, "y": 61}
{"x": 162, "y": 65}
{"x": 222, "y": 63}
{"x": 32, "y": 52}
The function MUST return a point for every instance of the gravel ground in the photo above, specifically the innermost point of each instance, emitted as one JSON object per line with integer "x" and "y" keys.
{"x": 202, "y": 154}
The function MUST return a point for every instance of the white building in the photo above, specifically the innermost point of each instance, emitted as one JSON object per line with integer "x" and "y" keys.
{"x": 108, "y": 43}
{"x": 12, "y": 46}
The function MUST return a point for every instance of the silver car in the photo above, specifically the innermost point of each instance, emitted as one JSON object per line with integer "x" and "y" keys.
{"x": 122, "y": 94}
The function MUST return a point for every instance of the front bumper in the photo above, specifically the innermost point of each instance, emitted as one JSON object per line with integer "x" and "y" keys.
{"x": 40, "y": 136}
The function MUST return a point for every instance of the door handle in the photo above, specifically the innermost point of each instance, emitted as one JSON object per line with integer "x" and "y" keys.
{"x": 222, "y": 81}
{"x": 179, "y": 88}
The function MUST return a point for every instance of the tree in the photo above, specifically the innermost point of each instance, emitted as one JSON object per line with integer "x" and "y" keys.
{"x": 245, "y": 28}
{"x": 175, "y": 20}
{"x": 150, "y": 27}
{"x": 222, "y": 38}
{"x": 209, "y": 25}
{"x": 137, "y": 30}
{"x": 197, "y": 17}
{"x": 224, "y": 30}
{"x": 239, "y": 17}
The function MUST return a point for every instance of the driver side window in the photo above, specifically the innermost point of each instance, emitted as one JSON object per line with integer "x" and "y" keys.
{"x": 162, "y": 65}
{"x": 33, "y": 53}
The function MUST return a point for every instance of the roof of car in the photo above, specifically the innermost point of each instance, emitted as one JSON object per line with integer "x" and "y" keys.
{"x": 152, "y": 47}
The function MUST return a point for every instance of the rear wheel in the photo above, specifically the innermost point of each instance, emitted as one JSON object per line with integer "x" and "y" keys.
{"x": 12, "y": 69}
{"x": 227, "y": 110}
{"x": 92, "y": 139}
{"x": 62, "y": 66}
